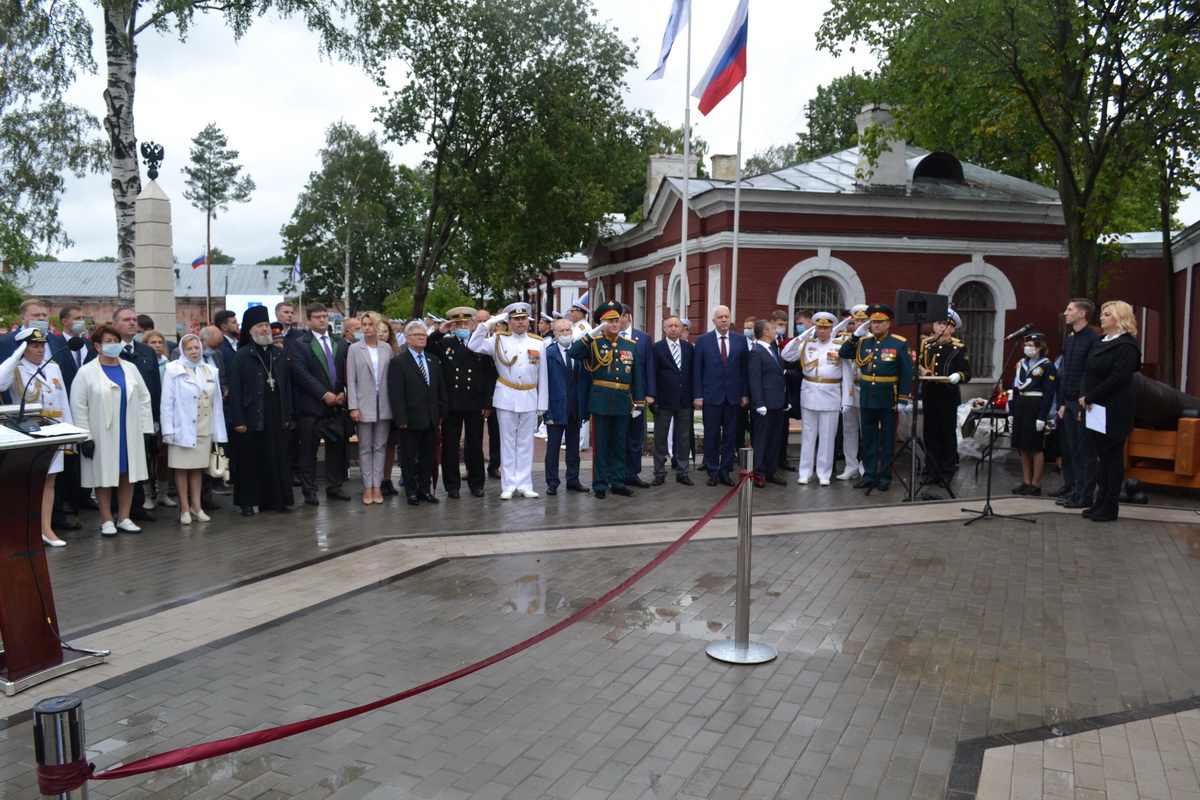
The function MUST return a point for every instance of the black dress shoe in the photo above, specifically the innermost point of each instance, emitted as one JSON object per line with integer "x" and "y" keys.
{"x": 452, "y": 494}
{"x": 477, "y": 493}
{"x": 863, "y": 484}
{"x": 1020, "y": 488}
{"x": 494, "y": 473}
{"x": 1077, "y": 502}
{"x": 88, "y": 502}
{"x": 296, "y": 481}
{"x": 578, "y": 487}
{"x": 141, "y": 515}
{"x": 775, "y": 479}
{"x": 599, "y": 494}
{"x": 311, "y": 500}
{"x": 882, "y": 487}
{"x": 248, "y": 511}
{"x": 67, "y": 525}
{"x": 726, "y": 480}
{"x": 786, "y": 467}
{"x": 659, "y": 480}
{"x": 551, "y": 490}
{"x": 1032, "y": 491}
{"x": 413, "y": 500}
{"x": 210, "y": 505}
{"x": 1062, "y": 491}
{"x": 712, "y": 480}
{"x": 337, "y": 494}
{"x": 388, "y": 489}
{"x": 427, "y": 497}
{"x": 684, "y": 479}
{"x": 638, "y": 482}
{"x": 624, "y": 491}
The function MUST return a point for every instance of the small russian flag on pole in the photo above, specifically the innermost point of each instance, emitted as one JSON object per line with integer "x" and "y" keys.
{"x": 728, "y": 67}
{"x": 200, "y": 260}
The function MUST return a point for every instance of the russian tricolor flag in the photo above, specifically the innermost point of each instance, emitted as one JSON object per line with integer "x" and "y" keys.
{"x": 200, "y": 260}
{"x": 728, "y": 67}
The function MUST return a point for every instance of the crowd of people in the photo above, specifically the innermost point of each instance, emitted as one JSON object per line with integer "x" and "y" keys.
{"x": 269, "y": 393}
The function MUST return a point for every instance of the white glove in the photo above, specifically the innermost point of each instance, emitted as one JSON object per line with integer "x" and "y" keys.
{"x": 905, "y": 408}
{"x": 168, "y": 438}
{"x": 636, "y": 412}
{"x": 599, "y": 330}
{"x": 762, "y": 411}
{"x": 955, "y": 378}
{"x": 789, "y": 407}
{"x": 862, "y": 330}
{"x": 1041, "y": 425}
{"x": 841, "y": 326}
{"x": 496, "y": 320}
{"x": 1010, "y": 422}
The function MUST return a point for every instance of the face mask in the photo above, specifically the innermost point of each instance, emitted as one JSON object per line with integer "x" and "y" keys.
{"x": 781, "y": 331}
{"x": 112, "y": 349}
{"x": 1030, "y": 351}
{"x": 462, "y": 333}
{"x": 565, "y": 340}
{"x": 195, "y": 363}
{"x": 358, "y": 336}
{"x": 137, "y": 337}
{"x": 748, "y": 332}
{"x": 78, "y": 327}
{"x": 39, "y": 325}
{"x": 208, "y": 352}
{"x": 799, "y": 329}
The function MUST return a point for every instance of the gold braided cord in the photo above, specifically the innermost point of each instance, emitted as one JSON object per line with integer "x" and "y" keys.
{"x": 858, "y": 357}
{"x": 499, "y": 357}
{"x": 600, "y": 359}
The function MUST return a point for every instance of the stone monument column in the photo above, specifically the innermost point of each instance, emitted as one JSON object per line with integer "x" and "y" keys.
{"x": 154, "y": 262}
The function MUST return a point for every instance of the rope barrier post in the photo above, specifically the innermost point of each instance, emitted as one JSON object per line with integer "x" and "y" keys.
{"x": 58, "y": 737}
{"x": 741, "y": 650}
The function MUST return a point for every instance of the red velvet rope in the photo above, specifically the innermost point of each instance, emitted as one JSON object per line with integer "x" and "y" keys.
{"x": 55, "y": 779}
{"x": 80, "y": 771}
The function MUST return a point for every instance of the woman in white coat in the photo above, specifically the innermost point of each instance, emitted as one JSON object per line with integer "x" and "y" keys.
{"x": 110, "y": 399}
{"x": 370, "y": 408}
{"x": 20, "y": 372}
{"x": 192, "y": 418}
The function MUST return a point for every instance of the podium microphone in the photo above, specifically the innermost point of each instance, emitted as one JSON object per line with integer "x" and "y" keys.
{"x": 28, "y": 425}
{"x": 1017, "y": 334}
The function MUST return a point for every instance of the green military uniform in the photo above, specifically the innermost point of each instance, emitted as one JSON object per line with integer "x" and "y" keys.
{"x": 885, "y": 379}
{"x": 616, "y": 392}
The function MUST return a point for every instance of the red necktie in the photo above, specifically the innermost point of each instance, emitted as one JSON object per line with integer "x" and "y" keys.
{"x": 724, "y": 352}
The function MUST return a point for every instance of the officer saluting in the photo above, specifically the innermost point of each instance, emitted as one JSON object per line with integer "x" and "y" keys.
{"x": 943, "y": 356}
{"x": 578, "y": 315}
{"x": 616, "y": 396}
{"x": 884, "y": 382}
{"x": 821, "y": 395}
{"x": 470, "y": 379}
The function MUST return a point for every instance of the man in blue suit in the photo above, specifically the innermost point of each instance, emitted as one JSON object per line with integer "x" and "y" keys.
{"x": 673, "y": 359}
{"x": 719, "y": 387}
{"x": 565, "y": 414}
{"x": 226, "y": 322}
{"x": 768, "y": 402}
{"x": 635, "y": 436}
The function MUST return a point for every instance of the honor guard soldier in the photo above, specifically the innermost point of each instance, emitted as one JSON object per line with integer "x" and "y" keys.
{"x": 578, "y": 314}
{"x": 885, "y": 379}
{"x": 470, "y": 379}
{"x": 616, "y": 396}
{"x": 820, "y": 395}
{"x": 520, "y": 395}
{"x": 943, "y": 362}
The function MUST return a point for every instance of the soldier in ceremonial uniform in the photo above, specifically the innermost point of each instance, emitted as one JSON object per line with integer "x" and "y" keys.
{"x": 578, "y": 314}
{"x": 470, "y": 379}
{"x": 520, "y": 395}
{"x": 851, "y": 426}
{"x": 616, "y": 396}
{"x": 883, "y": 386}
{"x": 942, "y": 355}
{"x": 820, "y": 397}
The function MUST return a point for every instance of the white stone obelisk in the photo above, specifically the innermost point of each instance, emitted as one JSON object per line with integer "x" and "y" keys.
{"x": 154, "y": 284}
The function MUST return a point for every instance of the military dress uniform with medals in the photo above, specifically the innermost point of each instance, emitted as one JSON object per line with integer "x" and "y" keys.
{"x": 616, "y": 395}
{"x": 521, "y": 393}
{"x": 470, "y": 380}
{"x": 885, "y": 381}
{"x": 943, "y": 359}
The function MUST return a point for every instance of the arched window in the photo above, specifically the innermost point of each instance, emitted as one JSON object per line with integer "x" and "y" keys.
{"x": 819, "y": 294}
{"x": 976, "y": 306}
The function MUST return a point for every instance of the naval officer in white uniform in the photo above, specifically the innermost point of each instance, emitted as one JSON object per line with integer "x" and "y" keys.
{"x": 820, "y": 395}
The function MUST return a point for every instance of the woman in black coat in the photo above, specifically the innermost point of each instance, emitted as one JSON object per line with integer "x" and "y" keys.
{"x": 1108, "y": 382}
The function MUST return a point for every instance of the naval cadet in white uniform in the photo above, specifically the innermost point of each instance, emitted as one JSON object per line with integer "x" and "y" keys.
{"x": 851, "y": 426}
{"x": 521, "y": 394}
{"x": 820, "y": 396}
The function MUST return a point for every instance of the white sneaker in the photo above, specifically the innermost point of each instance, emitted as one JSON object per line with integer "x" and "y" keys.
{"x": 506, "y": 495}
{"x": 185, "y": 518}
{"x": 128, "y": 526}
{"x": 108, "y": 529}
{"x": 824, "y": 481}
{"x": 541, "y": 435}
{"x": 530, "y": 494}
{"x": 201, "y": 516}
{"x": 803, "y": 480}
{"x": 848, "y": 475}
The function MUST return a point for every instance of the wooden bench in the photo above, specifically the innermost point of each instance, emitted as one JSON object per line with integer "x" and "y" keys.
{"x": 1165, "y": 458}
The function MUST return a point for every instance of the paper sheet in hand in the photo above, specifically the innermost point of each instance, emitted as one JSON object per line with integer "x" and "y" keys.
{"x": 1097, "y": 419}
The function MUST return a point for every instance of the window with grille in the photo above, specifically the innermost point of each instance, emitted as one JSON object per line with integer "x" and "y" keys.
{"x": 819, "y": 294}
{"x": 977, "y": 307}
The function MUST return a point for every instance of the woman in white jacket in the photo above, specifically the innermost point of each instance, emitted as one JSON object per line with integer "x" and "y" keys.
{"x": 192, "y": 418}
{"x": 19, "y": 371}
{"x": 110, "y": 399}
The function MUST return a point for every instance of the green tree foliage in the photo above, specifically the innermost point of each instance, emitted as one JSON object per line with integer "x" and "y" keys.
{"x": 830, "y": 115}
{"x": 520, "y": 104}
{"x": 276, "y": 261}
{"x": 213, "y": 180}
{"x": 777, "y": 156}
{"x": 445, "y": 293}
{"x": 42, "y": 47}
{"x": 100, "y": 260}
{"x": 356, "y": 224}
{"x": 218, "y": 256}
{"x": 1072, "y": 90}
{"x": 654, "y": 137}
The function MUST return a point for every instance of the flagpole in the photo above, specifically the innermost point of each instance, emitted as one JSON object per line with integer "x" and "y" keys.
{"x": 737, "y": 205}
{"x": 684, "y": 299}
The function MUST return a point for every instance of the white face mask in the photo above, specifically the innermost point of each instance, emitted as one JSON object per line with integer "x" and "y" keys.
{"x": 748, "y": 332}
{"x": 1030, "y": 351}
{"x": 565, "y": 340}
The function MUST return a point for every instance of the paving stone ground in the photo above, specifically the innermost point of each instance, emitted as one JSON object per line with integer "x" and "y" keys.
{"x": 916, "y": 654}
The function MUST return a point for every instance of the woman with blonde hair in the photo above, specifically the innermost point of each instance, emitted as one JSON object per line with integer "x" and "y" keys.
{"x": 370, "y": 408}
{"x": 1108, "y": 382}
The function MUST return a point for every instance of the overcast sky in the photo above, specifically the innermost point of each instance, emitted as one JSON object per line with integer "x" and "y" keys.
{"x": 274, "y": 98}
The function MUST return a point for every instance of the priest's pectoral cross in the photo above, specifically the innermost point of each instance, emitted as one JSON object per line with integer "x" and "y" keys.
{"x": 270, "y": 381}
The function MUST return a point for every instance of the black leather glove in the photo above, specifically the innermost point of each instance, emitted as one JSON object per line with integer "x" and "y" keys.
{"x": 87, "y": 449}
{"x": 151, "y": 441}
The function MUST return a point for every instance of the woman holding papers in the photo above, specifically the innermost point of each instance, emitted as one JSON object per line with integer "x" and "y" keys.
{"x": 1108, "y": 383}
{"x": 20, "y": 372}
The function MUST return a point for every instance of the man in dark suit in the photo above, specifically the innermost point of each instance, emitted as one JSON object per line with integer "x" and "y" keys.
{"x": 73, "y": 327}
{"x": 67, "y": 489}
{"x": 226, "y": 322}
{"x": 719, "y": 389}
{"x": 419, "y": 404}
{"x": 318, "y": 361}
{"x": 768, "y": 402}
{"x": 565, "y": 414}
{"x": 635, "y": 435}
{"x": 673, "y": 359}
{"x": 469, "y": 381}
{"x": 285, "y": 314}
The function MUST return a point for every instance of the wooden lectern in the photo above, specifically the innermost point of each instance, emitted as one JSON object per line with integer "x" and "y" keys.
{"x": 32, "y": 652}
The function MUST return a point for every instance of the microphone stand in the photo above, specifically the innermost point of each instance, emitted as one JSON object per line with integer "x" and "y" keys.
{"x": 986, "y": 511}
{"x": 29, "y": 425}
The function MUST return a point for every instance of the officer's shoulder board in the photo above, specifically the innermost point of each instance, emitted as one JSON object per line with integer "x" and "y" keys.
{"x": 534, "y": 336}
{"x": 504, "y": 333}
{"x": 898, "y": 336}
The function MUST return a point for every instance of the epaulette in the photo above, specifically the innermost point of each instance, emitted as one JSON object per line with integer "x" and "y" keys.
{"x": 956, "y": 340}
{"x": 534, "y": 336}
{"x": 503, "y": 333}
{"x": 898, "y": 336}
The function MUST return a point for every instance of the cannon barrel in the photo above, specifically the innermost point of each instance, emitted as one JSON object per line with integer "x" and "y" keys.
{"x": 1160, "y": 406}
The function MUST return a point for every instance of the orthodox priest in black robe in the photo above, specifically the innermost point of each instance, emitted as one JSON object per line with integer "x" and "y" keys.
{"x": 259, "y": 418}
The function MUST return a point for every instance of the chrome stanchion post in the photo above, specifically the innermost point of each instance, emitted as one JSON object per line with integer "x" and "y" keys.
{"x": 58, "y": 737}
{"x": 741, "y": 650}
